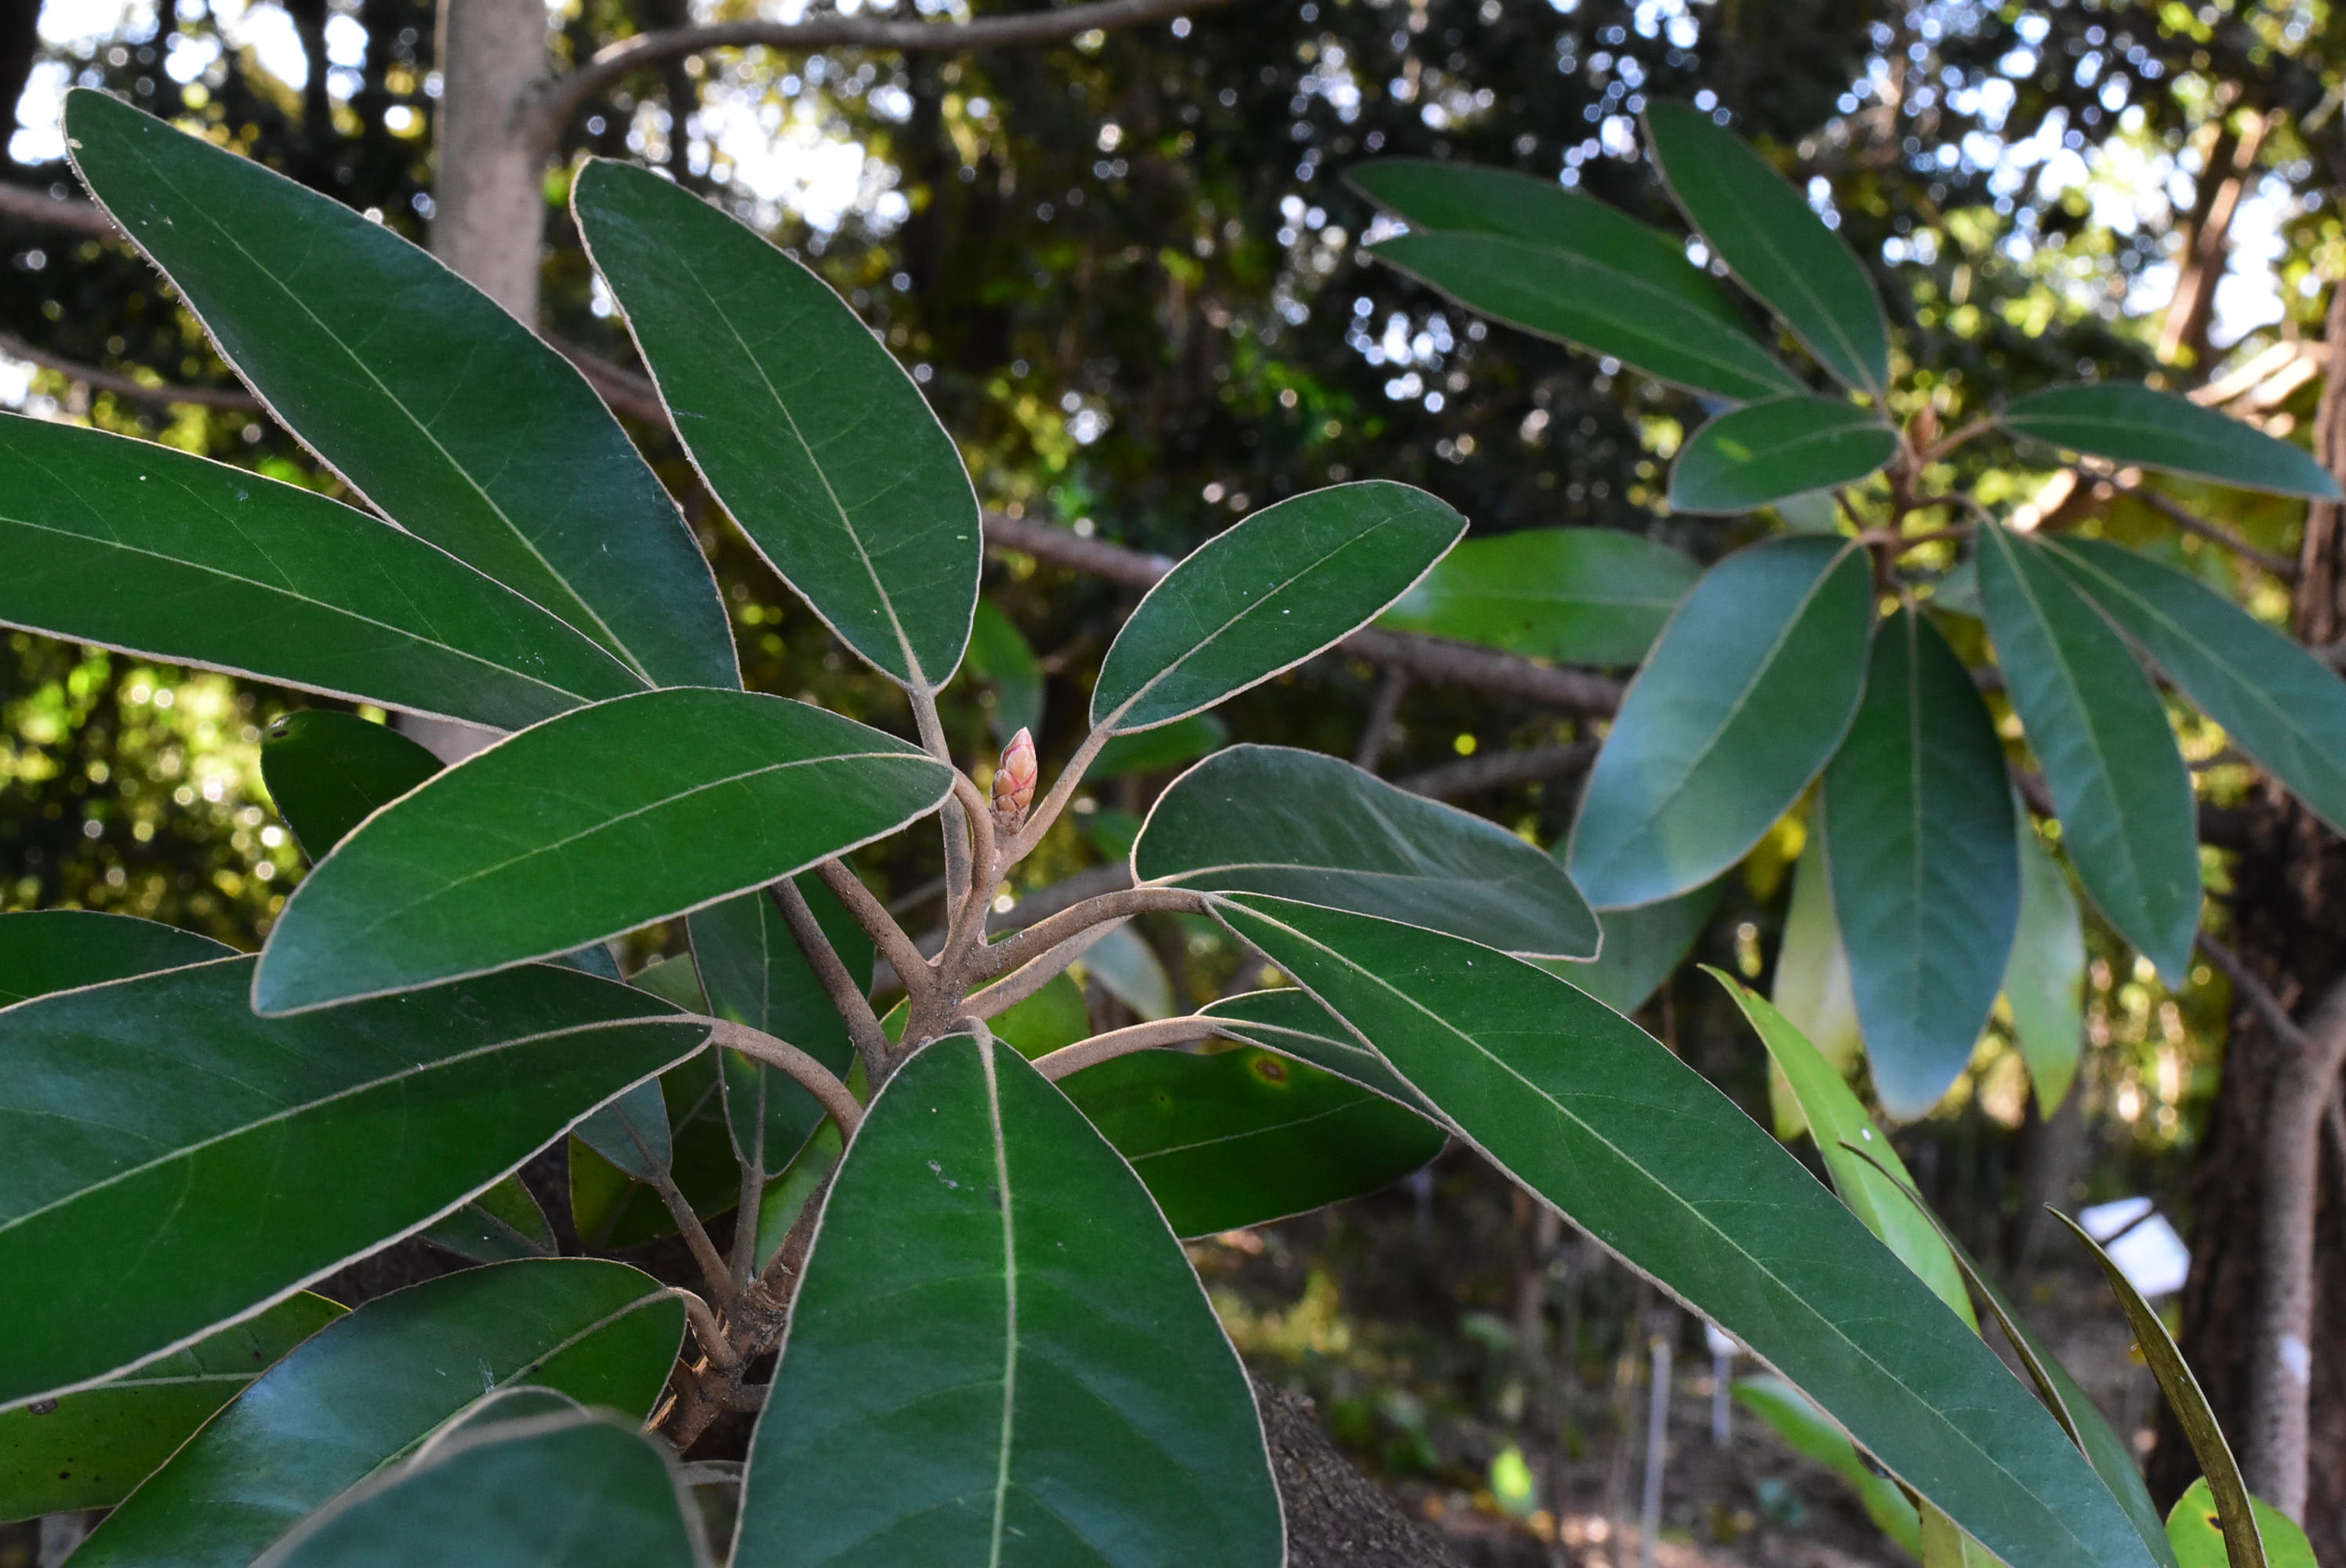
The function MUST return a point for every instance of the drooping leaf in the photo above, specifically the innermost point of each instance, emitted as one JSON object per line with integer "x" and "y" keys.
{"x": 586, "y": 826}
{"x": 1267, "y": 593}
{"x": 372, "y": 1385}
{"x": 1773, "y": 241}
{"x": 500, "y": 1225}
{"x": 133, "y": 545}
{"x": 2198, "y": 1532}
{"x": 814, "y": 438}
{"x": 2045, "y": 983}
{"x": 1771, "y": 451}
{"x": 1155, "y": 750}
{"x": 1601, "y": 1120}
{"x": 1246, "y": 1136}
{"x": 1069, "y": 1397}
{"x": 2276, "y": 701}
{"x": 999, "y": 652}
{"x": 1122, "y": 963}
{"x": 1577, "y": 596}
{"x": 1566, "y": 266}
{"x": 1642, "y": 947}
{"x": 2127, "y": 821}
{"x": 1274, "y": 819}
{"x": 1810, "y": 1434}
{"x": 613, "y": 1204}
{"x": 46, "y": 950}
{"x": 1293, "y": 1023}
{"x": 163, "y": 1150}
{"x": 89, "y": 1449}
{"x": 2129, "y": 423}
{"x": 422, "y": 394}
{"x": 327, "y": 772}
{"x": 632, "y": 1132}
{"x": 1747, "y": 693}
{"x": 1916, "y": 817}
{"x": 1811, "y": 985}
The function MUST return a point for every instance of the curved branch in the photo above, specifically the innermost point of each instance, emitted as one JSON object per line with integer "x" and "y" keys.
{"x": 1012, "y": 989}
{"x": 1124, "y": 1043}
{"x": 1044, "y": 935}
{"x": 234, "y": 399}
{"x": 806, "y": 1072}
{"x": 912, "y": 971}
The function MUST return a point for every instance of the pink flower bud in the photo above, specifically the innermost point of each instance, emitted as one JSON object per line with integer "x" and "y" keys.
{"x": 1014, "y": 781}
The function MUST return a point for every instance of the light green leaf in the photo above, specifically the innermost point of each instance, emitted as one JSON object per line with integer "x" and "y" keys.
{"x": 2045, "y": 983}
{"x": 2132, "y": 423}
{"x": 162, "y": 1149}
{"x": 999, "y": 652}
{"x": 328, "y": 771}
{"x": 1810, "y": 986}
{"x": 2127, "y": 821}
{"x": 1775, "y": 246}
{"x": 46, "y": 950}
{"x": 1070, "y": 1396}
{"x": 417, "y": 389}
{"x": 1053, "y": 1019}
{"x": 2197, "y": 1533}
{"x": 583, "y": 826}
{"x": 372, "y": 1385}
{"x": 1267, "y": 593}
{"x": 132, "y": 546}
{"x": 1810, "y": 1434}
{"x": 1772, "y": 451}
{"x": 1601, "y": 1120}
{"x": 1577, "y": 596}
{"x": 1273, "y": 819}
{"x": 1643, "y": 947}
{"x": 1747, "y": 693}
{"x": 804, "y": 426}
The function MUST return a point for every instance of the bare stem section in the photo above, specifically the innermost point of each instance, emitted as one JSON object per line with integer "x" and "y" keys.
{"x": 863, "y": 1024}
{"x": 1123, "y": 1041}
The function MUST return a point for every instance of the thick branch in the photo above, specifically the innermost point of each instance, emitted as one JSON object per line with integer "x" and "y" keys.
{"x": 873, "y": 915}
{"x": 1501, "y": 770}
{"x": 805, "y": 1071}
{"x": 1016, "y": 987}
{"x": 863, "y": 1024}
{"x": 1044, "y": 935}
{"x": 1124, "y": 1043}
{"x": 234, "y": 399}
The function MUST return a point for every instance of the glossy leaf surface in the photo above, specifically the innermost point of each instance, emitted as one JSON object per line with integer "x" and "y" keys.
{"x": 1772, "y": 451}
{"x": 502, "y": 1223}
{"x": 1812, "y": 1434}
{"x": 1747, "y": 695}
{"x": 1069, "y": 1396}
{"x": 2129, "y": 422}
{"x": 45, "y": 950}
{"x": 1578, "y": 596}
{"x": 591, "y": 824}
{"x": 1917, "y": 823}
{"x": 162, "y": 1149}
{"x": 2127, "y": 821}
{"x": 133, "y": 545}
{"x": 328, "y": 771}
{"x": 1293, "y": 1023}
{"x": 2045, "y": 983}
{"x": 417, "y": 389}
{"x": 612, "y": 1204}
{"x": 377, "y": 1382}
{"x": 632, "y": 1132}
{"x": 805, "y": 427}
{"x": 1601, "y": 1120}
{"x": 1273, "y": 819}
{"x": 1267, "y": 593}
{"x": 1246, "y": 1136}
{"x": 1773, "y": 242}
{"x": 93, "y": 1447}
{"x": 1642, "y": 947}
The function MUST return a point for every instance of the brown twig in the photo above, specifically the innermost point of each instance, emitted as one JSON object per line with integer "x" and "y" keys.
{"x": 70, "y": 213}
{"x": 1124, "y": 1043}
{"x": 966, "y": 923}
{"x": 706, "y": 1330}
{"x": 863, "y": 1029}
{"x": 806, "y": 1072}
{"x": 1501, "y": 770}
{"x": 1384, "y": 709}
{"x": 236, "y": 400}
{"x": 1044, "y": 935}
{"x": 713, "y": 1267}
{"x": 912, "y": 969}
{"x": 2191, "y": 522}
{"x": 1019, "y": 985}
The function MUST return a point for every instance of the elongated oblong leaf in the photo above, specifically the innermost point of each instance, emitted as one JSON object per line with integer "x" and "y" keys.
{"x": 1246, "y": 1136}
{"x": 1273, "y": 819}
{"x": 45, "y": 950}
{"x": 374, "y": 1384}
{"x": 1917, "y": 823}
{"x": 327, "y": 772}
{"x": 2044, "y": 981}
{"x": 1566, "y": 266}
{"x": 1068, "y": 1396}
{"x": 1775, "y": 246}
{"x": 1747, "y": 695}
{"x": 584, "y": 827}
{"x": 1775, "y": 450}
{"x": 2133, "y": 423}
{"x": 170, "y": 1162}
{"x": 1601, "y": 1120}
{"x": 2096, "y": 723}
{"x": 1268, "y": 593}
{"x": 416, "y": 388}
{"x": 1642, "y": 947}
{"x": 803, "y": 425}
{"x": 1579, "y": 595}
{"x": 136, "y": 546}
{"x": 2276, "y": 702}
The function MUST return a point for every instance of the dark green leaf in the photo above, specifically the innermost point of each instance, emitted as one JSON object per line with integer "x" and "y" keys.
{"x": 2276, "y": 701}
{"x": 632, "y": 1132}
{"x": 1809, "y": 1434}
{"x": 90, "y": 1449}
{"x": 327, "y": 772}
{"x": 1273, "y": 819}
{"x": 1916, "y": 817}
{"x": 1069, "y": 1396}
{"x": 1775, "y": 246}
{"x": 2132, "y": 423}
{"x": 2045, "y": 983}
{"x": 1156, "y": 750}
{"x": 1775, "y": 450}
{"x": 1748, "y": 693}
{"x": 1642, "y": 947}
{"x": 1601, "y": 1120}
{"x": 596, "y": 822}
{"x": 45, "y": 950}
{"x": 1246, "y": 1136}
{"x": 1294, "y": 1024}
{"x": 2127, "y": 821}
{"x": 136, "y": 546}
{"x": 417, "y": 389}
{"x": 611, "y": 1204}
{"x": 1578, "y": 596}
{"x": 502, "y": 1223}
{"x": 163, "y": 1151}
{"x": 372, "y": 1385}
{"x": 999, "y": 652}
{"x": 2197, "y": 1532}
{"x": 1268, "y": 593}
{"x": 814, "y": 437}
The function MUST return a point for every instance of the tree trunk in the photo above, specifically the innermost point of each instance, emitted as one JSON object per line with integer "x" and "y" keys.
{"x": 488, "y": 196}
